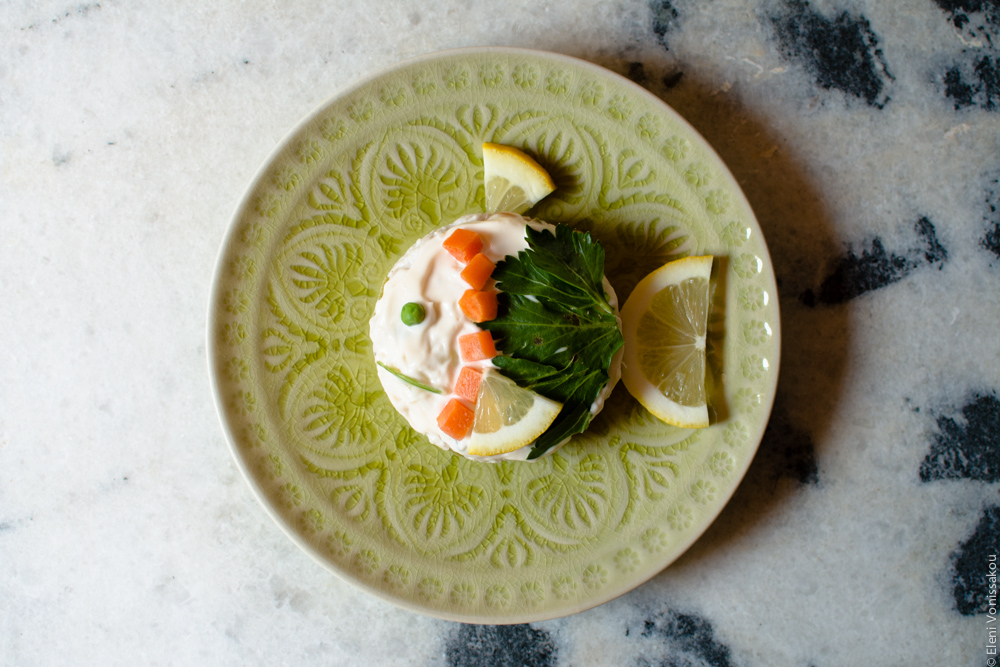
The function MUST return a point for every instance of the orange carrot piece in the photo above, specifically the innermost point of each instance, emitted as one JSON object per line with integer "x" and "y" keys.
{"x": 456, "y": 419}
{"x": 479, "y": 306}
{"x": 467, "y": 386}
{"x": 478, "y": 271}
{"x": 463, "y": 244}
{"x": 477, "y": 346}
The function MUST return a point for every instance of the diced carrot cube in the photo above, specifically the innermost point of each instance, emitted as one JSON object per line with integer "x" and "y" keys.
{"x": 456, "y": 419}
{"x": 467, "y": 386}
{"x": 479, "y": 306}
{"x": 477, "y": 346}
{"x": 463, "y": 244}
{"x": 478, "y": 271}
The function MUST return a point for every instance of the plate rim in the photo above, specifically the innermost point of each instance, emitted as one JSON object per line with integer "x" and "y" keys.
{"x": 626, "y": 584}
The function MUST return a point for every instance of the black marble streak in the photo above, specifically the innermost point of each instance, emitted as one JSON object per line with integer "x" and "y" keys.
{"x": 664, "y": 19}
{"x": 689, "y": 640}
{"x": 788, "y": 451}
{"x": 974, "y": 78}
{"x": 976, "y": 83}
{"x": 967, "y": 447}
{"x": 841, "y": 53}
{"x": 991, "y": 240}
{"x": 854, "y": 275}
{"x": 500, "y": 646}
{"x": 959, "y": 11}
{"x": 970, "y": 562}
{"x": 637, "y": 72}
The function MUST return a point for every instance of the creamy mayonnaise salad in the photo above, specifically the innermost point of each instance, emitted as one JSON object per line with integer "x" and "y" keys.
{"x": 428, "y": 352}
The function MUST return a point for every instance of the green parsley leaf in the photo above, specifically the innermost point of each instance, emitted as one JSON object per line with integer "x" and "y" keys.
{"x": 556, "y": 329}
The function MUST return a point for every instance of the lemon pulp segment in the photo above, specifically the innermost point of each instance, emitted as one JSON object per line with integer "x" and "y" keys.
{"x": 664, "y": 325}
{"x": 671, "y": 339}
{"x": 508, "y": 417}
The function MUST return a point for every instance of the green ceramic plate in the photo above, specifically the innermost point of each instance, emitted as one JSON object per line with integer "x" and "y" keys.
{"x": 376, "y": 168}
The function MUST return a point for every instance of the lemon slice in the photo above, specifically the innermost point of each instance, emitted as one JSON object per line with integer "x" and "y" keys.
{"x": 514, "y": 181}
{"x": 664, "y": 322}
{"x": 508, "y": 417}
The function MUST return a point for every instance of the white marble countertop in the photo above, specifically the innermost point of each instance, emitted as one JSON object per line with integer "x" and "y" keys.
{"x": 867, "y": 139}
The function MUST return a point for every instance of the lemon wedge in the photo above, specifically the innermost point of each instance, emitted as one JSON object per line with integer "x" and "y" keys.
{"x": 664, "y": 323}
{"x": 508, "y": 417}
{"x": 514, "y": 181}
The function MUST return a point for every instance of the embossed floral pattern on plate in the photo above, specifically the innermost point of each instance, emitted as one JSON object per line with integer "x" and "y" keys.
{"x": 377, "y": 167}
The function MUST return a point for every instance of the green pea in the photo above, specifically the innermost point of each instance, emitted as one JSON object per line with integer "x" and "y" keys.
{"x": 412, "y": 313}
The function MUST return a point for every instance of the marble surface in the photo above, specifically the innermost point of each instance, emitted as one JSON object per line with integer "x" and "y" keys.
{"x": 866, "y": 136}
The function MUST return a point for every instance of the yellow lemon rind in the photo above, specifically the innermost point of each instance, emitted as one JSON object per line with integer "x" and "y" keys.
{"x": 682, "y": 416}
{"x": 518, "y": 169}
{"x": 638, "y": 303}
{"x": 515, "y": 436}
